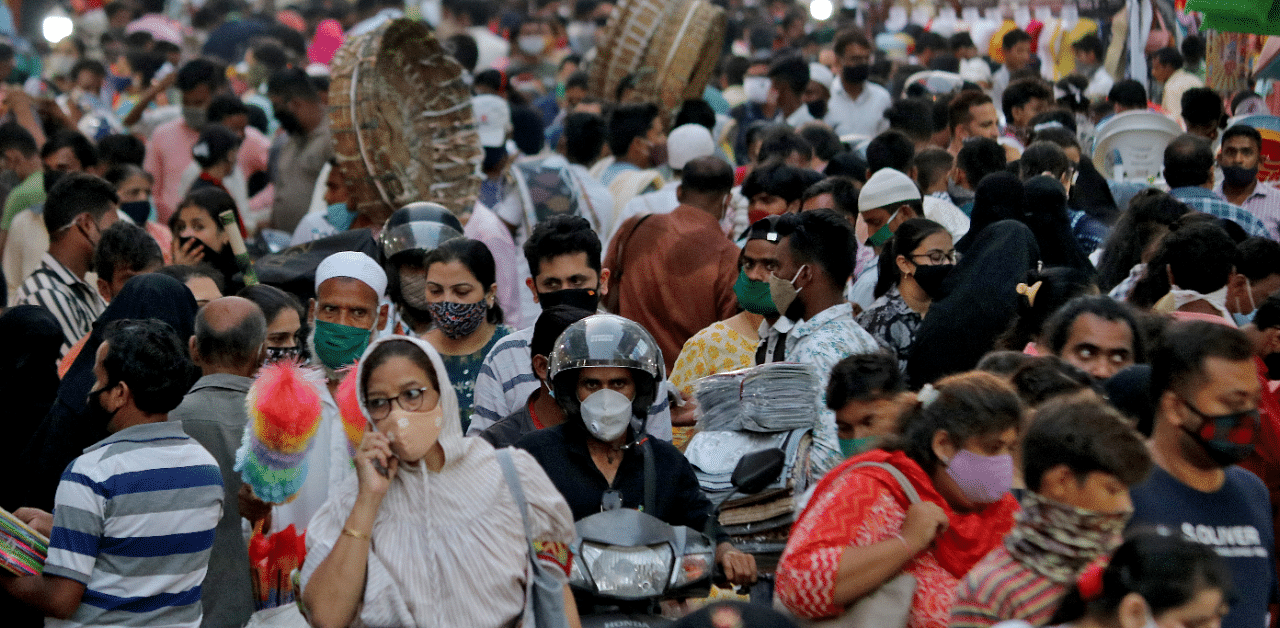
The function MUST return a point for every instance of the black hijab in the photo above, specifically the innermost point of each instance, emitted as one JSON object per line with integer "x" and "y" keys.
{"x": 67, "y": 430}
{"x": 981, "y": 301}
{"x": 1091, "y": 194}
{"x": 1046, "y": 214}
{"x": 28, "y": 378}
{"x": 999, "y": 196}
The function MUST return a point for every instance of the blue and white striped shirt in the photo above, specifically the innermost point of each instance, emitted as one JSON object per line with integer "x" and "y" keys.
{"x": 134, "y": 521}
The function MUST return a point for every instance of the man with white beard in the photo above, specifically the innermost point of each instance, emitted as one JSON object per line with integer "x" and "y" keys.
{"x": 344, "y": 317}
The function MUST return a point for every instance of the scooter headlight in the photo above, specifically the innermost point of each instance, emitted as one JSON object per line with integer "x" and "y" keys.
{"x": 632, "y": 573}
{"x": 697, "y": 563}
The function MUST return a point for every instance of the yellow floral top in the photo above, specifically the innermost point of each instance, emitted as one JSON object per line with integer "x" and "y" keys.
{"x": 715, "y": 349}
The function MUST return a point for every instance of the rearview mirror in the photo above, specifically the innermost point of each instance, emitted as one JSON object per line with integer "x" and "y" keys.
{"x": 757, "y": 470}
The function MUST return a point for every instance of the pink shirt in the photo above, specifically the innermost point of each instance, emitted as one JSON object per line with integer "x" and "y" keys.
{"x": 169, "y": 153}
{"x": 485, "y": 226}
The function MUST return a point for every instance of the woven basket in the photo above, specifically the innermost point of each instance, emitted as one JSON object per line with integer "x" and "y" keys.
{"x": 683, "y": 53}
{"x": 625, "y": 42}
{"x": 403, "y": 130}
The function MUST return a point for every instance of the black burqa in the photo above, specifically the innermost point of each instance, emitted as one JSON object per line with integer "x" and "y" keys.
{"x": 32, "y": 343}
{"x": 1046, "y": 214}
{"x": 69, "y": 427}
{"x": 982, "y": 300}
{"x": 999, "y": 196}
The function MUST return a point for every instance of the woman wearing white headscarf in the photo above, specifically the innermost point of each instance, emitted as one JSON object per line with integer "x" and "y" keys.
{"x": 438, "y": 540}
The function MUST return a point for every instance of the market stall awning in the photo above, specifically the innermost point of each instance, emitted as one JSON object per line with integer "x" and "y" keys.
{"x": 1260, "y": 17}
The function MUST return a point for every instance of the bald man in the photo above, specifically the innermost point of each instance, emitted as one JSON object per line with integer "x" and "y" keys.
{"x": 229, "y": 345}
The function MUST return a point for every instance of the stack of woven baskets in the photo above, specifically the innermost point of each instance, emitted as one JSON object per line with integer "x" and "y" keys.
{"x": 671, "y": 46}
{"x": 403, "y": 130}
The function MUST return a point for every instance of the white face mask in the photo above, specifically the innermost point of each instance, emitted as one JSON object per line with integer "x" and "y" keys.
{"x": 532, "y": 44}
{"x": 756, "y": 88}
{"x": 606, "y": 414}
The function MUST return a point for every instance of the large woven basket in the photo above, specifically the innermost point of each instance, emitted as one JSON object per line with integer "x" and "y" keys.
{"x": 625, "y": 41}
{"x": 403, "y": 130}
{"x": 683, "y": 54}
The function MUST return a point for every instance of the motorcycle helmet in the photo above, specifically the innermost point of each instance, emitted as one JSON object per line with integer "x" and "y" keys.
{"x": 606, "y": 340}
{"x": 418, "y": 227}
{"x": 408, "y": 235}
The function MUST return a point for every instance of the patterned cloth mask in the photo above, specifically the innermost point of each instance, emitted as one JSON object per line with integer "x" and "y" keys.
{"x": 458, "y": 320}
{"x": 1057, "y": 541}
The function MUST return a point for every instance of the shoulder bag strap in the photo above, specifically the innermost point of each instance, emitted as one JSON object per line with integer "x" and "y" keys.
{"x": 650, "y": 477}
{"x": 613, "y": 300}
{"x": 513, "y": 482}
{"x": 912, "y": 495}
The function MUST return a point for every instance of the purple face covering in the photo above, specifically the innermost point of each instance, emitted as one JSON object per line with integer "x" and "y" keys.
{"x": 982, "y": 479}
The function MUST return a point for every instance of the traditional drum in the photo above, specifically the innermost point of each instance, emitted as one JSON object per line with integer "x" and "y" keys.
{"x": 402, "y": 125}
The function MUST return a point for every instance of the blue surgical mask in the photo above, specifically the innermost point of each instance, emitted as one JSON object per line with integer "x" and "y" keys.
{"x": 1243, "y": 319}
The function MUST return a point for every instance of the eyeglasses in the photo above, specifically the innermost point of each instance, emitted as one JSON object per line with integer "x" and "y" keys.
{"x": 410, "y": 401}
{"x": 940, "y": 257}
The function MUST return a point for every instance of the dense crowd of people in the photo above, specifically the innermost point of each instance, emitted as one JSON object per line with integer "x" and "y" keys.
{"x": 1045, "y": 378}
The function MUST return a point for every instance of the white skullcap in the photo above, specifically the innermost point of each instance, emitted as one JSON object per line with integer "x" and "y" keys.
{"x": 821, "y": 74}
{"x": 688, "y": 142}
{"x": 354, "y": 265}
{"x": 886, "y": 187}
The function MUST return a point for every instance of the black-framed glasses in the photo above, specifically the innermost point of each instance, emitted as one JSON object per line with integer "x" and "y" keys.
{"x": 939, "y": 257}
{"x": 410, "y": 401}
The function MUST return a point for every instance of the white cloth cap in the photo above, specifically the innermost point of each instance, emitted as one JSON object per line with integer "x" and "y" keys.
{"x": 821, "y": 74}
{"x": 688, "y": 142}
{"x": 493, "y": 119}
{"x": 354, "y": 265}
{"x": 886, "y": 187}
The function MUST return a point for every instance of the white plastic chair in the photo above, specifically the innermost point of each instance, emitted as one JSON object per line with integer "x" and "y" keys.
{"x": 1139, "y": 138}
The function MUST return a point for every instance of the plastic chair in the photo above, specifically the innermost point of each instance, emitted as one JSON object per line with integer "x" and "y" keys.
{"x": 1269, "y": 127}
{"x": 1139, "y": 138}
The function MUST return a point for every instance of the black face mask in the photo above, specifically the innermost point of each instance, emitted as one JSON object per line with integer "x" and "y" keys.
{"x": 138, "y": 211}
{"x": 583, "y": 298}
{"x": 224, "y": 260}
{"x": 96, "y": 414}
{"x": 855, "y": 73}
{"x": 1272, "y": 362}
{"x": 930, "y": 279}
{"x": 289, "y": 122}
{"x": 817, "y": 109}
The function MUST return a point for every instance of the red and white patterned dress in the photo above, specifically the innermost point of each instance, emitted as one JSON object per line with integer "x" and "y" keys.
{"x": 866, "y": 506}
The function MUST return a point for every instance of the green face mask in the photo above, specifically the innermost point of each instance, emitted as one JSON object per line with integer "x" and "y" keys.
{"x": 853, "y": 446}
{"x": 753, "y": 296}
{"x": 881, "y": 236}
{"x": 340, "y": 345}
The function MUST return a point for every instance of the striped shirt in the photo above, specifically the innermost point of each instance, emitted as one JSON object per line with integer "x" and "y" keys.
{"x": 134, "y": 521}
{"x": 71, "y": 299}
{"x": 1206, "y": 201}
{"x": 999, "y": 588}
{"x": 506, "y": 380}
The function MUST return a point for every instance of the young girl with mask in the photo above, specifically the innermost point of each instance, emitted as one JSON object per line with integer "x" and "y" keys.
{"x": 402, "y": 529}
{"x": 199, "y": 236}
{"x": 462, "y": 299}
{"x": 860, "y": 529}
{"x": 1152, "y": 581}
{"x": 913, "y": 265}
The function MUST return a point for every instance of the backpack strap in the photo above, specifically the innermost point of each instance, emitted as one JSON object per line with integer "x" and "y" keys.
{"x": 650, "y": 477}
{"x": 912, "y": 495}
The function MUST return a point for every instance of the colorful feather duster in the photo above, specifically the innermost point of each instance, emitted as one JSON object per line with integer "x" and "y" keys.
{"x": 354, "y": 422}
{"x": 284, "y": 413}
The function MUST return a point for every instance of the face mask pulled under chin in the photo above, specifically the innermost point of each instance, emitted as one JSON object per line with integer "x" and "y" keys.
{"x": 606, "y": 414}
{"x": 195, "y": 117}
{"x": 413, "y": 434}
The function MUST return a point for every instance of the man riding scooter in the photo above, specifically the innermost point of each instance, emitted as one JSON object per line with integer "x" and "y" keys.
{"x": 604, "y": 372}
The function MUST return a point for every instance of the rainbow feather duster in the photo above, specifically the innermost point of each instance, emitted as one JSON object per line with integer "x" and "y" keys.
{"x": 284, "y": 414}
{"x": 354, "y": 423}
